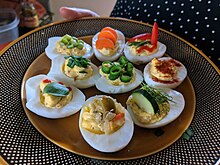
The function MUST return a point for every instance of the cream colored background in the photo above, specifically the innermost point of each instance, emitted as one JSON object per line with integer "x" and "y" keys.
{"x": 102, "y": 7}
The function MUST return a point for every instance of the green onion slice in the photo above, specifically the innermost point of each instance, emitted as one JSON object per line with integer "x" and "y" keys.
{"x": 129, "y": 67}
{"x": 71, "y": 42}
{"x": 78, "y": 61}
{"x": 106, "y": 66}
{"x": 115, "y": 72}
{"x": 70, "y": 46}
{"x": 126, "y": 76}
{"x": 80, "y": 46}
{"x": 64, "y": 40}
{"x": 123, "y": 60}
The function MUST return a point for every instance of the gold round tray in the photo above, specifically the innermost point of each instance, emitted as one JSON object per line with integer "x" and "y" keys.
{"x": 65, "y": 132}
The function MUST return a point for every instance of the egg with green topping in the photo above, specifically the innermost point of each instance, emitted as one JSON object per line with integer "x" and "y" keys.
{"x": 68, "y": 45}
{"x": 153, "y": 108}
{"x": 144, "y": 47}
{"x": 118, "y": 77}
{"x": 51, "y": 98}
{"x": 78, "y": 71}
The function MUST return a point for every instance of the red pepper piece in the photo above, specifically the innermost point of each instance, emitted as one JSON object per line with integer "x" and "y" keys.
{"x": 46, "y": 81}
{"x": 149, "y": 49}
{"x": 61, "y": 83}
{"x": 70, "y": 89}
{"x": 142, "y": 37}
{"x": 119, "y": 116}
{"x": 154, "y": 37}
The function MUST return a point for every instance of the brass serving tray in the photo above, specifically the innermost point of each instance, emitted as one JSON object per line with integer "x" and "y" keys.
{"x": 26, "y": 138}
{"x": 65, "y": 132}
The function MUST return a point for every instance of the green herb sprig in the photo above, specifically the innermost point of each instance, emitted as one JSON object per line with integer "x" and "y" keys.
{"x": 138, "y": 43}
{"x": 56, "y": 89}
{"x": 78, "y": 61}
{"x": 159, "y": 96}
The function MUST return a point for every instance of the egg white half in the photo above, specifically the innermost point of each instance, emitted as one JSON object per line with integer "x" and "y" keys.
{"x": 144, "y": 59}
{"x": 52, "y": 53}
{"x": 176, "y": 108}
{"x": 181, "y": 75}
{"x": 57, "y": 73}
{"x": 103, "y": 85}
{"x": 101, "y": 57}
{"x": 108, "y": 143}
{"x": 34, "y": 104}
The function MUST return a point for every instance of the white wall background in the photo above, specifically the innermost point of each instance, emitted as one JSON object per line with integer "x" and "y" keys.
{"x": 102, "y": 7}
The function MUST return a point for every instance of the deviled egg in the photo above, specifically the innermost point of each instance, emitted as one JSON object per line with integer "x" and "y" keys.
{"x": 105, "y": 124}
{"x": 108, "y": 44}
{"x": 78, "y": 71}
{"x": 118, "y": 77}
{"x": 152, "y": 108}
{"x": 164, "y": 72}
{"x": 52, "y": 99}
{"x": 68, "y": 45}
{"x": 144, "y": 47}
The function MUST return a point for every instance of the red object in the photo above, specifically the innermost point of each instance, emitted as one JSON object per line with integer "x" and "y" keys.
{"x": 154, "y": 37}
{"x": 166, "y": 66}
{"x": 46, "y": 81}
{"x": 150, "y": 49}
{"x": 61, "y": 83}
{"x": 142, "y": 37}
{"x": 119, "y": 116}
{"x": 70, "y": 89}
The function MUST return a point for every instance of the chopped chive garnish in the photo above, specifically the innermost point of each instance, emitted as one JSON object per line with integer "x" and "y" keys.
{"x": 138, "y": 43}
{"x": 82, "y": 71}
{"x": 78, "y": 61}
{"x": 188, "y": 134}
{"x": 157, "y": 94}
